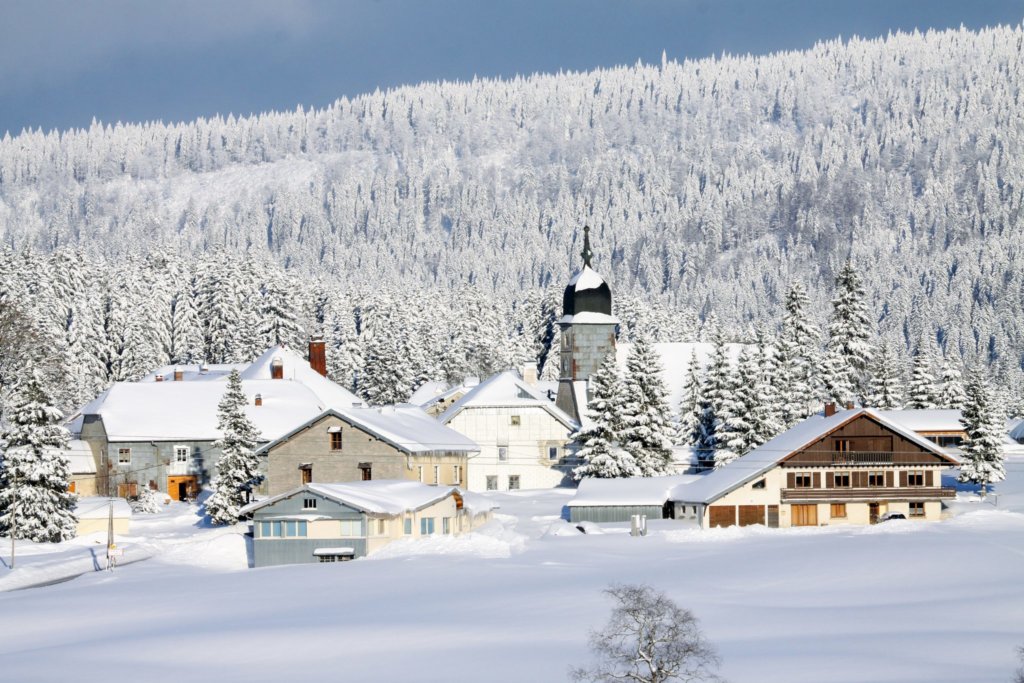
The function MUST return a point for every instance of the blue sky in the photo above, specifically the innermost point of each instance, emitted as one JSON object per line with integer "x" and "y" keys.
{"x": 63, "y": 62}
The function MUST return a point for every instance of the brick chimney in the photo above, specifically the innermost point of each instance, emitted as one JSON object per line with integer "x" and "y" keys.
{"x": 849, "y": 405}
{"x": 179, "y": 374}
{"x": 830, "y": 409}
{"x": 276, "y": 369}
{"x": 258, "y": 400}
{"x": 318, "y": 355}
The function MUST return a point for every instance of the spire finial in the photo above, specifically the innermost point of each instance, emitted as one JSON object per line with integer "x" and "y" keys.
{"x": 587, "y": 253}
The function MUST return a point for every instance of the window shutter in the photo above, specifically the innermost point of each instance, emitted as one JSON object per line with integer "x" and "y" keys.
{"x": 928, "y": 480}
{"x": 888, "y": 479}
{"x": 830, "y": 480}
{"x": 816, "y": 479}
{"x": 791, "y": 480}
{"x": 903, "y": 479}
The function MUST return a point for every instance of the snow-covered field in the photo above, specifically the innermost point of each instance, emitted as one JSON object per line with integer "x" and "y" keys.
{"x": 900, "y": 602}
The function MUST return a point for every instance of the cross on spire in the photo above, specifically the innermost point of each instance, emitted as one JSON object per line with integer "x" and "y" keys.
{"x": 587, "y": 254}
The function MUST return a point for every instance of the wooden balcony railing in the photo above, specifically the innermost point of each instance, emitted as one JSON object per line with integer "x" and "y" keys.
{"x": 871, "y": 493}
{"x": 861, "y": 458}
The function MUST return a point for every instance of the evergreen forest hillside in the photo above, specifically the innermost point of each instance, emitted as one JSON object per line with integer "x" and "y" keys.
{"x": 711, "y": 187}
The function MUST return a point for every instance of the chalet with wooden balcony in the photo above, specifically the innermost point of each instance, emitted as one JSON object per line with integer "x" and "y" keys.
{"x": 850, "y": 467}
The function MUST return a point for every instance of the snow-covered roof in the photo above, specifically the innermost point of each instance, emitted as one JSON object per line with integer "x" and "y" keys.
{"x": 505, "y": 389}
{"x": 78, "y": 455}
{"x": 94, "y": 507}
{"x": 194, "y": 373}
{"x": 925, "y": 420}
{"x": 406, "y": 427}
{"x": 586, "y": 278}
{"x": 675, "y": 362}
{"x": 630, "y": 491}
{"x": 1017, "y": 431}
{"x": 187, "y": 410}
{"x": 380, "y": 497}
{"x": 715, "y": 484}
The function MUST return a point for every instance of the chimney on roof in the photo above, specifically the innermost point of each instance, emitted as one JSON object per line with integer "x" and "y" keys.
{"x": 318, "y": 355}
{"x": 179, "y": 374}
{"x": 849, "y": 405}
{"x": 276, "y": 369}
{"x": 529, "y": 374}
{"x": 159, "y": 378}
{"x": 258, "y": 400}
{"x": 830, "y": 409}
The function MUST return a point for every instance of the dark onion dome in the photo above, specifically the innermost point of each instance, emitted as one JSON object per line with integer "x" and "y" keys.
{"x": 587, "y": 291}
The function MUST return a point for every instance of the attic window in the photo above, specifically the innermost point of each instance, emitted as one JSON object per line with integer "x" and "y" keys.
{"x": 759, "y": 484}
{"x": 515, "y": 421}
{"x": 335, "y": 440}
{"x": 309, "y": 503}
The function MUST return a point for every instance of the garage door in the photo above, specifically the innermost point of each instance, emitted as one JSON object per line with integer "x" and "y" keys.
{"x": 722, "y": 515}
{"x": 751, "y": 514}
{"x": 805, "y": 515}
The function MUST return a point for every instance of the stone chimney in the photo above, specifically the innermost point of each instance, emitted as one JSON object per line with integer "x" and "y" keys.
{"x": 258, "y": 400}
{"x": 318, "y": 355}
{"x": 830, "y": 409}
{"x": 529, "y": 373}
{"x": 179, "y": 374}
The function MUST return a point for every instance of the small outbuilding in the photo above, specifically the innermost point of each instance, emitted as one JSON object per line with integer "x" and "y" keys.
{"x": 345, "y": 521}
{"x": 617, "y": 500}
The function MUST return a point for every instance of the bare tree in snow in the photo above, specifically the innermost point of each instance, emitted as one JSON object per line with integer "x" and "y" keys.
{"x": 648, "y": 639}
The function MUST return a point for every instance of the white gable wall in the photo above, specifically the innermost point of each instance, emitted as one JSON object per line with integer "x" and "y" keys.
{"x": 527, "y": 443}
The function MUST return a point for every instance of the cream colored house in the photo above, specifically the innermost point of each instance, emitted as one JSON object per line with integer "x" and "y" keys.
{"x": 523, "y": 437}
{"x": 853, "y": 467}
{"x": 94, "y": 515}
{"x": 344, "y": 521}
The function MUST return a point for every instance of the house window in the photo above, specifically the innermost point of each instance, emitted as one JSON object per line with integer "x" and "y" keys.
{"x": 492, "y": 482}
{"x": 181, "y": 454}
{"x": 515, "y": 421}
{"x": 457, "y": 473}
{"x": 365, "y": 471}
{"x": 382, "y": 527}
{"x": 351, "y": 527}
{"x": 446, "y": 525}
{"x": 408, "y": 526}
{"x": 334, "y": 558}
{"x": 915, "y": 478}
{"x": 552, "y": 452}
{"x": 437, "y": 475}
{"x": 917, "y": 509}
{"x": 307, "y": 474}
{"x": 419, "y": 472}
{"x": 288, "y": 529}
{"x": 513, "y": 482}
{"x": 841, "y": 480}
{"x": 842, "y": 445}
{"x": 309, "y": 503}
{"x": 265, "y": 529}
{"x": 426, "y": 526}
{"x": 335, "y": 441}
{"x": 124, "y": 456}
{"x": 876, "y": 479}
{"x": 503, "y": 453}
{"x": 838, "y": 510}
{"x": 802, "y": 481}
{"x": 759, "y": 484}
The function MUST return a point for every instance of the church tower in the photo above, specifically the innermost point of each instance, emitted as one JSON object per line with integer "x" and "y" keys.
{"x": 588, "y": 333}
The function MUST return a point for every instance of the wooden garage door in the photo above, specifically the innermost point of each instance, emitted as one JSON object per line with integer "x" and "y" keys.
{"x": 722, "y": 515}
{"x": 751, "y": 514}
{"x": 805, "y": 515}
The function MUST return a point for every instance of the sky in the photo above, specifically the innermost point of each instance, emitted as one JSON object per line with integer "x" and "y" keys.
{"x": 65, "y": 62}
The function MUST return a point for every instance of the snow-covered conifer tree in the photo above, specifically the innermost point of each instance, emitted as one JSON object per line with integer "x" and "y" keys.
{"x": 886, "y": 387}
{"x": 601, "y": 442}
{"x": 951, "y": 390}
{"x": 716, "y": 392}
{"x": 797, "y": 357}
{"x": 985, "y": 423}
{"x": 690, "y": 405}
{"x": 238, "y": 467}
{"x": 735, "y": 430}
{"x": 279, "y": 312}
{"x": 648, "y": 427}
{"x": 35, "y": 476}
{"x": 850, "y": 329}
{"x": 921, "y": 389}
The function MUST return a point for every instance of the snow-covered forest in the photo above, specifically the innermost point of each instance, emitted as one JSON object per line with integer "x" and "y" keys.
{"x": 449, "y": 214}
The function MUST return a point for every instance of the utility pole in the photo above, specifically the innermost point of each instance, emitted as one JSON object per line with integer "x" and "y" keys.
{"x": 14, "y": 515}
